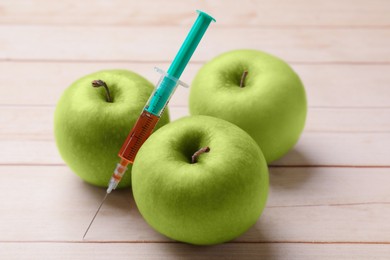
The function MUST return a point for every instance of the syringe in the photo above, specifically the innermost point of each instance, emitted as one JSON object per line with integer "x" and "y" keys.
{"x": 156, "y": 104}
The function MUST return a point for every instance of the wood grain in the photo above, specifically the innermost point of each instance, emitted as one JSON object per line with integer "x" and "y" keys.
{"x": 181, "y": 251}
{"x": 36, "y": 123}
{"x": 327, "y": 85}
{"x": 66, "y": 204}
{"x": 325, "y": 141}
{"x": 134, "y": 43}
{"x": 230, "y": 13}
{"x": 313, "y": 149}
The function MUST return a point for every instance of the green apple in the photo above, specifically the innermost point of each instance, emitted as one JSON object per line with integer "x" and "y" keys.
{"x": 256, "y": 91}
{"x": 90, "y": 129}
{"x": 200, "y": 180}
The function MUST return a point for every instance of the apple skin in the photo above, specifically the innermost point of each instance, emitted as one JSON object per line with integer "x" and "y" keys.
{"x": 212, "y": 201}
{"x": 271, "y": 107}
{"x": 89, "y": 131}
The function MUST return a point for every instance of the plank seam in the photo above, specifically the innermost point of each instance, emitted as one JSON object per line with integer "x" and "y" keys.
{"x": 270, "y": 166}
{"x": 175, "y": 242}
{"x": 331, "y": 205}
{"x": 184, "y": 106}
{"x": 349, "y": 63}
{"x": 219, "y": 26}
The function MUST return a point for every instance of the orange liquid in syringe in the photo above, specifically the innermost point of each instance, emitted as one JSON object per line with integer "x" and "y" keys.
{"x": 141, "y": 131}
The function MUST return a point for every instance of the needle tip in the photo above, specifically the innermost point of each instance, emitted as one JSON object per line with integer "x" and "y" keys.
{"x": 90, "y": 224}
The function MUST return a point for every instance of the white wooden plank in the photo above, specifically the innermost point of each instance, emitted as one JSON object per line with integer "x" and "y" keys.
{"x": 348, "y": 120}
{"x": 313, "y": 149}
{"x": 151, "y": 44}
{"x": 26, "y": 122}
{"x": 300, "y": 187}
{"x": 49, "y": 203}
{"x": 182, "y": 251}
{"x": 331, "y": 137}
{"x": 228, "y": 12}
{"x": 339, "y": 149}
{"x": 42, "y": 83}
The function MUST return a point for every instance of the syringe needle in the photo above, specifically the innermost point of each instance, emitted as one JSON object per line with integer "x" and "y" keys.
{"x": 90, "y": 224}
{"x": 112, "y": 184}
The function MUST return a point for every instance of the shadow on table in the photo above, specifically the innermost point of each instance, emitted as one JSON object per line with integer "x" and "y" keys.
{"x": 251, "y": 245}
{"x": 232, "y": 250}
{"x": 291, "y": 171}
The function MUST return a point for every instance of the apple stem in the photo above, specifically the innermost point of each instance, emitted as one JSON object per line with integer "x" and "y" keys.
{"x": 244, "y": 74}
{"x": 101, "y": 83}
{"x": 199, "y": 152}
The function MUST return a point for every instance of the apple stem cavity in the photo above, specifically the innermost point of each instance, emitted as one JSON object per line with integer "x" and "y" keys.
{"x": 194, "y": 157}
{"x": 244, "y": 74}
{"x": 100, "y": 83}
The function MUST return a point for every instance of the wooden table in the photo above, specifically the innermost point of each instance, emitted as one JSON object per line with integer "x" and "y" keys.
{"x": 329, "y": 197}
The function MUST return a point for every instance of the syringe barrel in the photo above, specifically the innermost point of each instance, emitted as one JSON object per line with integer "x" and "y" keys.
{"x": 150, "y": 116}
{"x": 142, "y": 129}
{"x": 190, "y": 43}
{"x": 164, "y": 90}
